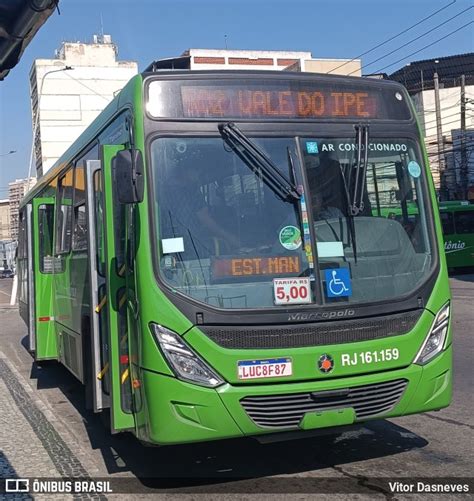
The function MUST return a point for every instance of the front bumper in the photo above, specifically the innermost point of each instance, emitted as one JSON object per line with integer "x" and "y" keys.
{"x": 179, "y": 412}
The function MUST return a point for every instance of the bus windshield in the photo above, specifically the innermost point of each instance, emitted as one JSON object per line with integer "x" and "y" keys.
{"x": 227, "y": 239}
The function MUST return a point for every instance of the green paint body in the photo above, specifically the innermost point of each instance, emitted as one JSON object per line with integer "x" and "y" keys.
{"x": 166, "y": 410}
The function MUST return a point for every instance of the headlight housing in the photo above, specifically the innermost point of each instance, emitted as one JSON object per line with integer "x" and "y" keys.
{"x": 435, "y": 340}
{"x": 183, "y": 361}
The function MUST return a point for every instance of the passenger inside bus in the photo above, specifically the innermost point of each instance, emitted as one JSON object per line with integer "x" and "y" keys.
{"x": 321, "y": 210}
{"x": 191, "y": 218}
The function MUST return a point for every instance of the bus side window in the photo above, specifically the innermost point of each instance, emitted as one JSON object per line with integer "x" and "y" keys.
{"x": 45, "y": 226}
{"x": 79, "y": 235}
{"x": 447, "y": 223}
{"x": 63, "y": 236}
{"x": 464, "y": 222}
{"x": 99, "y": 221}
{"x": 22, "y": 245}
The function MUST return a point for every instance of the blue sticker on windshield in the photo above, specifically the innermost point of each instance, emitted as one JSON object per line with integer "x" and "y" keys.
{"x": 414, "y": 169}
{"x": 312, "y": 147}
{"x": 338, "y": 282}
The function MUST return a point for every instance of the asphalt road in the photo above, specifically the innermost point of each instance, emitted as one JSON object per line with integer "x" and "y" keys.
{"x": 432, "y": 445}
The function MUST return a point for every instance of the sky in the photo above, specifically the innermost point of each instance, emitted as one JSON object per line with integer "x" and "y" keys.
{"x": 145, "y": 30}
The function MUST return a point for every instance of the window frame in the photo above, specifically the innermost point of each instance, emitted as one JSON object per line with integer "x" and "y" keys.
{"x": 98, "y": 187}
{"x": 76, "y": 206}
{"x": 450, "y": 215}
{"x": 457, "y": 215}
{"x": 60, "y": 214}
{"x": 22, "y": 240}
{"x": 41, "y": 254}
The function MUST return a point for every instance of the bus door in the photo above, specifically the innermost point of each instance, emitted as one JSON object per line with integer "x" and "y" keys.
{"x": 43, "y": 268}
{"x": 26, "y": 285}
{"x": 109, "y": 337}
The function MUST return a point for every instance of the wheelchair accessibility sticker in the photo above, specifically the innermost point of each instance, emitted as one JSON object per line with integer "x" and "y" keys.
{"x": 338, "y": 282}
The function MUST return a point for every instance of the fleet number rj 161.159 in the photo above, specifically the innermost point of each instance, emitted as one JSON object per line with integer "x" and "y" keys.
{"x": 369, "y": 357}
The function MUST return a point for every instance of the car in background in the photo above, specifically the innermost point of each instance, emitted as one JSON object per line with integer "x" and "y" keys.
{"x": 6, "y": 273}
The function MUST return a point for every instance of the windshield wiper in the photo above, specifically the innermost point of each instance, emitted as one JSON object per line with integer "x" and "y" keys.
{"x": 362, "y": 138}
{"x": 350, "y": 215}
{"x": 355, "y": 205}
{"x": 259, "y": 162}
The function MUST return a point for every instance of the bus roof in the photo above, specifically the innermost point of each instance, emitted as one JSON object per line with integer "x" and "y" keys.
{"x": 278, "y": 74}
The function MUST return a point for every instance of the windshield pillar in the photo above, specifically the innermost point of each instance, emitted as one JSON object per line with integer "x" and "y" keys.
{"x": 307, "y": 213}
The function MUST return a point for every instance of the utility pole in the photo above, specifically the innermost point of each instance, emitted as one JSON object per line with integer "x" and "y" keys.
{"x": 463, "y": 176}
{"x": 439, "y": 133}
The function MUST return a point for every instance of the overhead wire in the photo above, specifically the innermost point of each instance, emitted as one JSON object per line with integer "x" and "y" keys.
{"x": 426, "y": 46}
{"x": 451, "y": 148}
{"x": 455, "y": 151}
{"x": 394, "y": 36}
{"x": 427, "y": 83}
{"x": 412, "y": 40}
{"x": 442, "y": 108}
{"x": 458, "y": 113}
{"x": 448, "y": 123}
{"x": 107, "y": 98}
{"x": 455, "y": 159}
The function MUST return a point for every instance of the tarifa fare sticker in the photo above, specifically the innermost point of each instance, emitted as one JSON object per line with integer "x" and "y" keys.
{"x": 290, "y": 238}
{"x": 296, "y": 290}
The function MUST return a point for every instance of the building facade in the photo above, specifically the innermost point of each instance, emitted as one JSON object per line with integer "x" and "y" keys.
{"x": 17, "y": 190}
{"x": 69, "y": 91}
{"x": 451, "y": 160}
{"x": 5, "y": 233}
{"x": 7, "y": 254}
{"x": 273, "y": 60}
{"x": 347, "y": 67}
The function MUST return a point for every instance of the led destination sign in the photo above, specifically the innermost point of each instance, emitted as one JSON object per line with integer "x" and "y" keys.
{"x": 274, "y": 99}
{"x": 254, "y": 266}
{"x": 210, "y": 102}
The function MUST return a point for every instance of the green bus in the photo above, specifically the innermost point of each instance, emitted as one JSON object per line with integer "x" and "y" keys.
{"x": 216, "y": 256}
{"x": 457, "y": 219}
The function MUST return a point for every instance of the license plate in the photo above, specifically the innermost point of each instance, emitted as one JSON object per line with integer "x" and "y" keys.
{"x": 273, "y": 367}
{"x": 292, "y": 290}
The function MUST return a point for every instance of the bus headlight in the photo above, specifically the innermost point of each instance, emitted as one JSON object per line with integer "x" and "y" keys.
{"x": 183, "y": 361}
{"x": 434, "y": 342}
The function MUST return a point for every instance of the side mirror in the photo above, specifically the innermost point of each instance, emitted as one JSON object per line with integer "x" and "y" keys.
{"x": 127, "y": 168}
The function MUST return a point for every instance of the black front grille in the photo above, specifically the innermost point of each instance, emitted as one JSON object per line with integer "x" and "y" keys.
{"x": 314, "y": 334}
{"x": 286, "y": 411}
